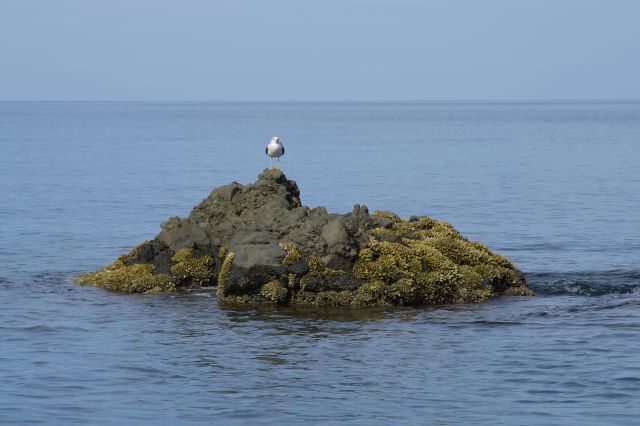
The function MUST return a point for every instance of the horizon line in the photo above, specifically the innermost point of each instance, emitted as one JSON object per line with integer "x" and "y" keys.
{"x": 435, "y": 101}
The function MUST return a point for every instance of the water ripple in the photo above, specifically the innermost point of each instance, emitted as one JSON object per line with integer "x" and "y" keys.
{"x": 552, "y": 186}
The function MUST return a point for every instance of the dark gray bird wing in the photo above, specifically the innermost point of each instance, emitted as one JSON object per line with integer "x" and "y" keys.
{"x": 266, "y": 150}
{"x": 283, "y": 150}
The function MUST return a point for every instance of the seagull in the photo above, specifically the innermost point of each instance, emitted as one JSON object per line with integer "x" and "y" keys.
{"x": 275, "y": 150}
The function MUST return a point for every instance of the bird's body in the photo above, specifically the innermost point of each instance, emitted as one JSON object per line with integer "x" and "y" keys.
{"x": 275, "y": 150}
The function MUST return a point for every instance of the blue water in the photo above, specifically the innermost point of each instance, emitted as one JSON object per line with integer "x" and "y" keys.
{"x": 554, "y": 186}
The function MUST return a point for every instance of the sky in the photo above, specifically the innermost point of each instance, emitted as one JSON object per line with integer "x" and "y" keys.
{"x": 319, "y": 50}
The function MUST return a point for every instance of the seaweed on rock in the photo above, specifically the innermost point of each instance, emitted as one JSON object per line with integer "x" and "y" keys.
{"x": 293, "y": 254}
{"x": 188, "y": 267}
{"x": 223, "y": 274}
{"x": 258, "y": 244}
{"x": 125, "y": 278}
{"x": 274, "y": 292}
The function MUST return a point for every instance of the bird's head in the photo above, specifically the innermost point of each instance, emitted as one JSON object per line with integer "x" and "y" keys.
{"x": 275, "y": 139}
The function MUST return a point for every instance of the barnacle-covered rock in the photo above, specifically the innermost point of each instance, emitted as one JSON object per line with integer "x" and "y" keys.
{"x": 274, "y": 292}
{"x": 259, "y": 244}
{"x": 126, "y": 277}
{"x": 186, "y": 266}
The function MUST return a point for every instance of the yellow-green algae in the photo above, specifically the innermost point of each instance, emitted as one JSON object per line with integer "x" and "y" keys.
{"x": 323, "y": 298}
{"x": 222, "y": 253}
{"x": 185, "y": 265}
{"x": 125, "y": 278}
{"x": 274, "y": 292}
{"x": 430, "y": 263}
{"x": 225, "y": 269}
{"x": 293, "y": 279}
{"x": 317, "y": 268}
{"x": 293, "y": 254}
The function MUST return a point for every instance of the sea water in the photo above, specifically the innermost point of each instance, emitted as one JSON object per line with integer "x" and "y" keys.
{"x": 553, "y": 186}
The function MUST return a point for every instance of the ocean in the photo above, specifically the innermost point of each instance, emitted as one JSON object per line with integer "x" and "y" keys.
{"x": 554, "y": 186}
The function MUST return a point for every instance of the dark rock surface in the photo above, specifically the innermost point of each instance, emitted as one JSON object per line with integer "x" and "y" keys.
{"x": 258, "y": 243}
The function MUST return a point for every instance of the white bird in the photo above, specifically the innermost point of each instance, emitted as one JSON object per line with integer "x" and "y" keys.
{"x": 275, "y": 150}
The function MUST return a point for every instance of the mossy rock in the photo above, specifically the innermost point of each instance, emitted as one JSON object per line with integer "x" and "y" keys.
{"x": 274, "y": 292}
{"x": 124, "y": 278}
{"x": 259, "y": 244}
{"x": 188, "y": 267}
{"x": 435, "y": 265}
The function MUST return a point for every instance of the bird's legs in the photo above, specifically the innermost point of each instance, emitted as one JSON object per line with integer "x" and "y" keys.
{"x": 274, "y": 162}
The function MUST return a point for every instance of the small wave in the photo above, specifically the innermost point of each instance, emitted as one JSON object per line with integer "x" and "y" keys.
{"x": 598, "y": 283}
{"x": 40, "y": 328}
{"x": 605, "y": 306}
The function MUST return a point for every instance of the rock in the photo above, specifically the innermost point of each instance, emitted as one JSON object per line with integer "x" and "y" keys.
{"x": 259, "y": 244}
{"x": 179, "y": 233}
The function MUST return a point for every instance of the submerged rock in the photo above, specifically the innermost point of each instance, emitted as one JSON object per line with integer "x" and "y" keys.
{"x": 257, "y": 243}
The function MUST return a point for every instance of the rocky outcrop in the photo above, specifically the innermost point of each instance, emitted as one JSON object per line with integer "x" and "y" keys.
{"x": 257, "y": 243}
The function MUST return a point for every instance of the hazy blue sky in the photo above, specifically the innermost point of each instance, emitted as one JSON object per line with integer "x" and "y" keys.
{"x": 327, "y": 49}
